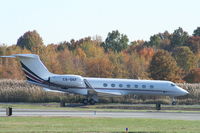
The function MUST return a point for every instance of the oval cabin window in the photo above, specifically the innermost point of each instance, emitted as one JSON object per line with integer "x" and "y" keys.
{"x": 105, "y": 85}
{"x": 143, "y": 86}
{"x": 113, "y": 85}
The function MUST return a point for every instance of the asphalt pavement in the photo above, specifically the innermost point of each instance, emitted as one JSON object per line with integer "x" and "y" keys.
{"x": 64, "y": 113}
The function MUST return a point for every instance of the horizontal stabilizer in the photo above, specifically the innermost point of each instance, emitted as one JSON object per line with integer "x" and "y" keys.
{"x": 11, "y": 56}
{"x": 22, "y": 55}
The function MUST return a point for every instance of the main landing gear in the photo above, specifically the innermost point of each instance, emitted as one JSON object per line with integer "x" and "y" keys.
{"x": 87, "y": 101}
{"x": 92, "y": 100}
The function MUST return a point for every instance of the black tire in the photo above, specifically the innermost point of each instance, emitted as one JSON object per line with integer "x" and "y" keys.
{"x": 85, "y": 101}
{"x": 92, "y": 102}
{"x": 173, "y": 103}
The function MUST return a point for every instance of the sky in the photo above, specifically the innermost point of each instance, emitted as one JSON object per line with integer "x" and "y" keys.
{"x": 62, "y": 20}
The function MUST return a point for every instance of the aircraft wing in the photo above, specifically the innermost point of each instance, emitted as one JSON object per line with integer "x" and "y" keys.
{"x": 108, "y": 92}
{"x": 49, "y": 90}
{"x": 101, "y": 92}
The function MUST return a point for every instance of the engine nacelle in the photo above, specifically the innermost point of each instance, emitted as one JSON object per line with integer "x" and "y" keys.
{"x": 68, "y": 80}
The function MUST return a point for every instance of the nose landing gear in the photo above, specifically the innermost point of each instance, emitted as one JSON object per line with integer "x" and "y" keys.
{"x": 173, "y": 101}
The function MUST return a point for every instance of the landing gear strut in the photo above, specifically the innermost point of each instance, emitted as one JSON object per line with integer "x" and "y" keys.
{"x": 173, "y": 101}
{"x": 158, "y": 106}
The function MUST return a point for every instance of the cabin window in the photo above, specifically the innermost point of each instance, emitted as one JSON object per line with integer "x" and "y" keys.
{"x": 120, "y": 85}
{"x": 172, "y": 84}
{"x": 151, "y": 86}
{"x": 136, "y": 86}
{"x": 128, "y": 86}
{"x": 143, "y": 86}
{"x": 113, "y": 85}
{"x": 105, "y": 85}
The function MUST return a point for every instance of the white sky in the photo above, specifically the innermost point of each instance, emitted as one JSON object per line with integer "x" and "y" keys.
{"x": 62, "y": 20}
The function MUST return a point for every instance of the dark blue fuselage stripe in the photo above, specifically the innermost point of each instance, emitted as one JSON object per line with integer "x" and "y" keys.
{"x": 26, "y": 68}
{"x": 32, "y": 80}
{"x": 32, "y": 77}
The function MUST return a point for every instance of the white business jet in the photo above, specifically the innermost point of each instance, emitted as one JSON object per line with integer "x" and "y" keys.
{"x": 93, "y": 88}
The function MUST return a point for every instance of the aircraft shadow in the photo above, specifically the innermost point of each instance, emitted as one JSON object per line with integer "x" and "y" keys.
{"x": 75, "y": 105}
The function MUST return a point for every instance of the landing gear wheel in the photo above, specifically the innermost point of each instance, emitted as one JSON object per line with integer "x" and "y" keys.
{"x": 85, "y": 101}
{"x": 174, "y": 103}
{"x": 92, "y": 102}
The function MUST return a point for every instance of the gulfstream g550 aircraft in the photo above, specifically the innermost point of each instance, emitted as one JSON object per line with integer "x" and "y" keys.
{"x": 36, "y": 73}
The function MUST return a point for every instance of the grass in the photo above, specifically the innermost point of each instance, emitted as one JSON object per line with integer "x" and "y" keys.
{"x": 93, "y": 125}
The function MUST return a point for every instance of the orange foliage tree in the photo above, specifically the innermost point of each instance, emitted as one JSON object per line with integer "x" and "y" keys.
{"x": 99, "y": 67}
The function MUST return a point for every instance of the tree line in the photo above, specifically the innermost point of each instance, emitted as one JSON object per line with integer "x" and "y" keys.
{"x": 166, "y": 56}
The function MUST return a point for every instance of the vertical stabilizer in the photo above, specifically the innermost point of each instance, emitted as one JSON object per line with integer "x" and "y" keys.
{"x": 32, "y": 66}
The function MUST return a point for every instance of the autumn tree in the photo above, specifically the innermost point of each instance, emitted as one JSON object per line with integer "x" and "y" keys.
{"x": 163, "y": 67}
{"x": 92, "y": 48}
{"x": 119, "y": 68}
{"x": 136, "y": 67}
{"x": 99, "y": 67}
{"x": 49, "y": 57}
{"x": 73, "y": 44}
{"x": 194, "y": 44}
{"x": 196, "y": 32}
{"x": 135, "y": 46}
{"x": 155, "y": 41}
{"x": 193, "y": 76}
{"x": 30, "y": 40}
{"x": 147, "y": 53}
{"x": 185, "y": 58}
{"x": 70, "y": 63}
{"x": 160, "y": 40}
{"x": 179, "y": 37}
{"x": 115, "y": 42}
{"x": 10, "y": 67}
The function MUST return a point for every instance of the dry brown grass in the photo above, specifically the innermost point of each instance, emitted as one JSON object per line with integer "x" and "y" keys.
{"x": 21, "y": 91}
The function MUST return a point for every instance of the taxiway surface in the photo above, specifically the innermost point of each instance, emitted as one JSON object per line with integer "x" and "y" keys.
{"x": 64, "y": 113}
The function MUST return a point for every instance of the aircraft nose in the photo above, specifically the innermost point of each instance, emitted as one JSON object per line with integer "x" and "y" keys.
{"x": 183, "y": 92}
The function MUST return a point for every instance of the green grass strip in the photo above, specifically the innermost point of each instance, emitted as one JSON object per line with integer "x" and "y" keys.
{"x": 93, "y": 125}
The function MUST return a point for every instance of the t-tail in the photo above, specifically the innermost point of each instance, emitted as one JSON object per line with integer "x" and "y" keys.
{"x": 33, "y": 67}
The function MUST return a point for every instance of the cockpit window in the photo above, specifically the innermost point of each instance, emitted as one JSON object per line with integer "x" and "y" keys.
{"x": 173, "y": 85}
